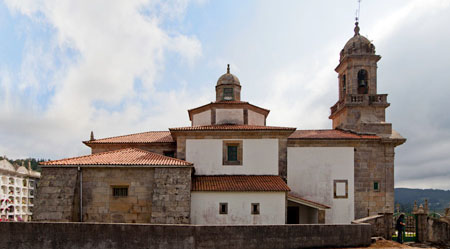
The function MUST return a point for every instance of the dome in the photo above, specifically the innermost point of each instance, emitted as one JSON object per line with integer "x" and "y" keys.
{"x": 358, "y": 44}
{"x": 228, "y": 78}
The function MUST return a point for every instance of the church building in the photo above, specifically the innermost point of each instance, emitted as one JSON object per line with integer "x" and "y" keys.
{"x": 230, "y": 167}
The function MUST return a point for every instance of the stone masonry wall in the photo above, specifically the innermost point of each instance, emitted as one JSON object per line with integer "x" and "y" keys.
{"x": 99, "y": 205}
{"x": 171, "y": 203}
{"x": 55, "y": 195}
{"x": 114, "y": 236}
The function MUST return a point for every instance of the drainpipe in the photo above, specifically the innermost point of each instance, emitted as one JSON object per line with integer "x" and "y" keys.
{"x": 81, "y": 193}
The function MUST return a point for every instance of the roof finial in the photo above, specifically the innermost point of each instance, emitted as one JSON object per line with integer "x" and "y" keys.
{"x": 228, "y": 68}
{"x": 92, "y": 136}
{"x": 357, "y": 18}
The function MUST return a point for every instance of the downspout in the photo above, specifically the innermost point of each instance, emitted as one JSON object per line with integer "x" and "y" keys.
{"x": 81, "y": 194}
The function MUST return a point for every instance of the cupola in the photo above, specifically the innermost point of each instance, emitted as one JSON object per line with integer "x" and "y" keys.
{"x": 228, "y": 87}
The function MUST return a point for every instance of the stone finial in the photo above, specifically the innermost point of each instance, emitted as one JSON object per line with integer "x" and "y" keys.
{"x": 356, "y": 29}
{"x": 29, "y": 165}
{"x": 228, "y": 68}
{"x": 415, "y": 206}
{"x": 398, "y": 207}
{"x": 92, "y": 136}
{"x": 421, "y": 209}
{"x": 426, "y": 205}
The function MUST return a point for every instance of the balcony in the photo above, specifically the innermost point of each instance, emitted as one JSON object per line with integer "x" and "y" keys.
{"x": 361, "y": 100}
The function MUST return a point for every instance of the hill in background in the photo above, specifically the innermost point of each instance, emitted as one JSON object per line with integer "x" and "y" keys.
{"x": 438, "y": 199}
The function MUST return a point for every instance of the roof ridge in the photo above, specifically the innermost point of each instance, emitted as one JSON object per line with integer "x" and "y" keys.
{"x": 132, "y": 134}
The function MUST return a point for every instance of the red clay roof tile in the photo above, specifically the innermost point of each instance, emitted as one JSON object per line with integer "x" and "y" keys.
{"x": 329, "y": 134}
{"x": 122, "y": 157}
{"x": 144, "y": 137}
{"x": 230, "y": 127}
{"x": 245, "y": 183}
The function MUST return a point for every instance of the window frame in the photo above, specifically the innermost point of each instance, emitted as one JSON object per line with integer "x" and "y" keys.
{"x": 336, "y": 196}
{"x": 224, "y": 94}
{"x": 377, "y": 184}
{"x": 253, "y": 211}
{"x": 118, "y": 188}
{"x": 223, "y": 204}
{"x": 239, "y": 151}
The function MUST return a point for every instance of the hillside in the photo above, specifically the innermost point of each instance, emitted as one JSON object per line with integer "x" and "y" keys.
{"x": 438, "y": 199}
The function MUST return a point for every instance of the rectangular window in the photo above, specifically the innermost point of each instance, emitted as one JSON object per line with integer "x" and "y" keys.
{"x": 228, "y": 94}
{"x": 255, "y": 208}
{"x": 120, "y": 191}
{"x": 223, "y": 208}
{"x": 340, "y": 189}
{"x": 376, "y": 186}
{"x": 232, "y": 152}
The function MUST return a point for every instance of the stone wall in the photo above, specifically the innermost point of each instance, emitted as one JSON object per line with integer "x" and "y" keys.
{"x": 438, "y": 231}
{"x": 171, "y": 202}
{"x": 99, "y": 205}
{"x": 55, "y": 195}
{"x": 111, "y": 236}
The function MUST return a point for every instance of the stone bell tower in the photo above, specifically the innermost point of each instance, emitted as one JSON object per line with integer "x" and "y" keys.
{"x": 228, "y": 87}
{"x": 359, "y": 107}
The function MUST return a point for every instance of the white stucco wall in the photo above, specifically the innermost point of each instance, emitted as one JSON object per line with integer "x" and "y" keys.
{"x": 229, "y": 116}
{"x": 205, "y": 207}
{"x": 255, "y": 118}
{"x": 259, "y": 157}
{"x": 202, "y": 118}
{"x": 311, "y": 172}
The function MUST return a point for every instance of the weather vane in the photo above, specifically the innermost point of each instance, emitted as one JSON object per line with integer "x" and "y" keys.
{"x": 357, "y": 11}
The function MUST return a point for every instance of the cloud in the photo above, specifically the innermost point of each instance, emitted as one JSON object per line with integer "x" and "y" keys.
{"x": 96, "y": 70}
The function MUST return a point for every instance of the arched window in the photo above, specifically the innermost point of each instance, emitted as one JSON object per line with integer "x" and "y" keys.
{"x": 344, "y": 85}
{"x": 363, "y": 86}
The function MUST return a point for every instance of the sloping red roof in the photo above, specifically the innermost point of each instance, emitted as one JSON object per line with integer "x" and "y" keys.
{"x": 244, "y": 183}
{"x": 329, "y": 134}
{"x": 231, "y": 102}
{"x": 144, "y": 137}
{"x": 230, "y": 127}
{"x": 128, "y": 156}
{"x": 298, "y": 199}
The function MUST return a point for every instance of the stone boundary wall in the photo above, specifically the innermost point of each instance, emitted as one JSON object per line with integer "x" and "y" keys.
{"x": 36, "y": 235}
{"x": 381, "y": 225}
{"x": 437, "y": 231}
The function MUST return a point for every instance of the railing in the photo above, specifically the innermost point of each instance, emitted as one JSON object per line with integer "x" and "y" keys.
{"x": 360, "y": 99}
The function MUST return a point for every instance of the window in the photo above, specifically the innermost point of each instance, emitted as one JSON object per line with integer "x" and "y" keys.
{"x": 340, "y": 189}
{"x": 232, "y": 152}
{"x": 169, "y": 153}
{"x": 223, "y": 208}
{"x": 120, "y": 191}
{"x": 344, "y": 85}
{"x": 376, "y": 186}
{"x": 363, "y": 86}
{"x": 255, "y": 208}
{"x": 228, "y": 94}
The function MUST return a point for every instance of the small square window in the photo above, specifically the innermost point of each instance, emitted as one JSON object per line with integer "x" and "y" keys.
{"x": 223, "y": 208}
{"x": 376, "y": 186}
{"x": 232, "y": 152}
{"x": 120, "y": 191}
{"x": 255, "y": 208}
{"x": 228, "y": 94}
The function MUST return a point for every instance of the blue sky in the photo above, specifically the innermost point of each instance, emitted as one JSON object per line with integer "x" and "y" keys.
{"x": 120, "y": 67}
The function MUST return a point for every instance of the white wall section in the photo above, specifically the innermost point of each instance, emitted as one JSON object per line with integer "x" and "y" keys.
{"x": 229, "y": 116}
{"x": 202, "y": 118}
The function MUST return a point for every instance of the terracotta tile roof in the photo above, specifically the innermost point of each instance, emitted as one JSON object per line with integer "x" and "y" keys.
{"x": 231, "y": 102}
{"x": 245, "y": 183}
{"x": 296, "y": 198}
{"x": 144, "y": 137}
{"x": 329, "y": 134}
{"x": 230, "y": 127}
{"x": 127, "y": 157}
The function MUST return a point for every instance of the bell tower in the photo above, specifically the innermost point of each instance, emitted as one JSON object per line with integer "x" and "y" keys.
{"x": 228, "y": 87}
{"x": 359, "y": 108}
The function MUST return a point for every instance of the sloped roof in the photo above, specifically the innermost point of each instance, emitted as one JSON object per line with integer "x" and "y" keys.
{"x": 297, "y": 199}
{"x": 143, "y": 137}
{"x": 329, "y": 134}
{"x": 122, "y": 157}
{"x": 231, "y": 127}
{"x": 239, "y": 183}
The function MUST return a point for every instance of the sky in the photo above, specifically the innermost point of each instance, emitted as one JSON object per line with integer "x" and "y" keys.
{"x": 119, "y": 67}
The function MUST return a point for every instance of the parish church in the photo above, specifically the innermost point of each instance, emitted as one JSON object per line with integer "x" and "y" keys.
{"x": 231, "y": 167}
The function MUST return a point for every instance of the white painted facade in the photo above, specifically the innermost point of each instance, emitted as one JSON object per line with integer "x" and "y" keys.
{"x": 260, "y": 157}
{"x": 17, "y": 191}
{"x": 311, "y": 174}
{"x": 255, "y": 118}
{"x": 205, "y": 208}
{"x": 202, "y": 118}
{"x": 229, "y": 116}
